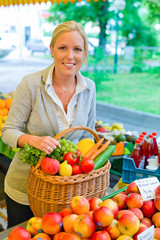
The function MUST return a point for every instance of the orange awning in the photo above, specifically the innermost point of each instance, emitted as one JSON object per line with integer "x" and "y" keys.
{"x": 23, "y": 2}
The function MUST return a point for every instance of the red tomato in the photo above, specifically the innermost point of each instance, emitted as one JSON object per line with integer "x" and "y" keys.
{"x": 87, "y": 165}
{"x": 76, "y": 169}
{"x": 78, "y": 152}
{"x": 71, "y": 158}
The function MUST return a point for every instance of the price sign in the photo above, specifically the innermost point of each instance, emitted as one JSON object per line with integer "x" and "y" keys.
{"x": 148, "y": 234}
{"x": 147, "y": 187}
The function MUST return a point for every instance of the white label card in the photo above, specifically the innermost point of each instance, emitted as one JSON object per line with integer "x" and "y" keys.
{"x": 148, "y": 234}
{"x": 147, "y": 187}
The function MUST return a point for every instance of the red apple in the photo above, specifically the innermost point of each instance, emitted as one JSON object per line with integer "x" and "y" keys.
{"x": 64, "y": 212}
{"x": 42, "y": 236}
{"x": 79, "y": 205}
{"x": 157, "y": 221}
{"x": 109, "y": 203}
{"x": 157, "y": 191}
{"x": 58, "y": 236}
{"x": 84, "y": 225}
{"x": 68, "y": 222}
{"x": 122, "y": 212}
{"x": 71, "y": 236}
{"x": 90, "y": 214}
{"x": 132, "y": 188}
{"x": 19, "y": 233}
{"x": 134, "y": 200}
{"x": 137, "y": 212}
{"x": 34, "y": 224}
{"x": 112, "y": 229}
{"x": 95, "y": 203}
{"x": 148, "y": 208}
{"x": 50, "y": 165}
{"x": 147, "y": 221}
{"x": 128, "y": 224}
{"x": 157, "y": 233}
{"x": 103, "y": 216}
{"x": 142, "y": 228}
{"x": 51, "y": 223}
{"x": 157, "y": 202}
{"x": 120, "y": 199}
{"x": 100, "y": 235}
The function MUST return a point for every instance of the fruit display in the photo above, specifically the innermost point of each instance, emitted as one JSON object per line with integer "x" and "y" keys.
{"x": 122, "y": 215}
{"x": 5, "y": 103}
{"x": 69, "y": 159}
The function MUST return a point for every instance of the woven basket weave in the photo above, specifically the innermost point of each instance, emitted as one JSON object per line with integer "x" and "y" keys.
{"x": 47, "y": 193}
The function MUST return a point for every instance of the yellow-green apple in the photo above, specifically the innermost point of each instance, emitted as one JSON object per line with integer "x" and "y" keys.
{"x": 120, "y": 199}
{"x": 109, "y": 203}
{"x": 71, "y": 236}
{"x": 51, "y": 223}
{"x": 112, "y": 229}
{"x": 34, "y": 225}
{"x": 157, "y": 202}
{"x": 128, "y": 224}
{"x": 58, "y": 236}
{"x": 147, "y": 221}
{"x": 100, "y": 235}
{"x": 19, "y": 233}
{"x": 142, "y": 228}
{"x": 50, "y": 165}
{"x": 132, "y": 188}
{"x": 64, "y": 212}
{"x": 95, "y": 203}
{"x": 157, "y": 191}
{"x": 137, "y": 212}
{"x": 79, "y": 205}
{"x": 122, "y": 212}
{"x": 157, "y": 233}
{"x": 103, "y": 216}
{"x": 148, "y": 208}
{"x": 68, "y": 222}
{"x": 156, "y": 215}
{"x": 124, "y": 237}
{"x": 134, "y": 200}
{"x": 42, "y": 236}
{"x": 84, "y": 225}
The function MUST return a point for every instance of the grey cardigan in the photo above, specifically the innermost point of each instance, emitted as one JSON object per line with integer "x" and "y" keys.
{"x": 33, "y": 112}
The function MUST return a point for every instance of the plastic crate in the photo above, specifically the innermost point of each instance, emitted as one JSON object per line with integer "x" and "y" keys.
{"x": 114, "y": 193}
{"x": 131, "y": 173}
{"x": 116, "y": 163}
{"x": 6, "y": 150}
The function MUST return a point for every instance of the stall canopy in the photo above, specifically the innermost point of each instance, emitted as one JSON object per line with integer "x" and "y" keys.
{"x": 23, "y": 2}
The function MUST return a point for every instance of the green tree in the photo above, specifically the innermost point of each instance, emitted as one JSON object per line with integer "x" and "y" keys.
{"x": 136, "y": 28}
{"x": 95, "y": 12}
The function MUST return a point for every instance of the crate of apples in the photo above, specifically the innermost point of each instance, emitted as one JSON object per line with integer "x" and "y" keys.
{"x": 120, "y": 216}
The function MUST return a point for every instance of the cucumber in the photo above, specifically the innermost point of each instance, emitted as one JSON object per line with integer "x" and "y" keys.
{"x": 102, "y": 158}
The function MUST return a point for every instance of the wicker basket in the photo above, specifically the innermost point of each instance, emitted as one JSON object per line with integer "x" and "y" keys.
{"x": 47, "y": 193}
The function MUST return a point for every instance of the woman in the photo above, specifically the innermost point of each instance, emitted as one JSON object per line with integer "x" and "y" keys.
{"x": 45, "y": 103}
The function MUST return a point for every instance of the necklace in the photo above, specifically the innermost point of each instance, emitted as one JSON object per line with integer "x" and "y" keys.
{"x": 65, "y": 91}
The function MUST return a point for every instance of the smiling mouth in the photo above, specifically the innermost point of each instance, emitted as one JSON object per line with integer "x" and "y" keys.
{"x": 69, "y": 64}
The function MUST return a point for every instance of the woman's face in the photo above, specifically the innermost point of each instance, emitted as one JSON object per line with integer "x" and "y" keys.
{"x": 68, "y": 53}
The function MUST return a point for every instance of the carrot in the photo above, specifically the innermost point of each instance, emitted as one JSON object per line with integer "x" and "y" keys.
{"x": 94, "y": 148}
{"x": 100, "y": 150}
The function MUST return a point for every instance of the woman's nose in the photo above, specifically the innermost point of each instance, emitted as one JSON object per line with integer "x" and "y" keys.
{"x": 70, "y": 53}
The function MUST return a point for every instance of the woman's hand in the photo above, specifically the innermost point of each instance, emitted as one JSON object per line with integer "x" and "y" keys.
{"x": 47, "y": 144}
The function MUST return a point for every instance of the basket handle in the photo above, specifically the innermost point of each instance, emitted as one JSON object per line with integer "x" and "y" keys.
{"x": 63, "y": 133}
{"x": 68, "y": 130}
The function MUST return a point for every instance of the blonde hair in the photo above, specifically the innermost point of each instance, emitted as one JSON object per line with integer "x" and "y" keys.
{"x": 67, "y": 27}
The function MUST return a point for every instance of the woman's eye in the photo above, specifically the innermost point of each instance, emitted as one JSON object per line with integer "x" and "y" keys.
{"x": 78, "y": 49}
{"x": 62, "y": 48}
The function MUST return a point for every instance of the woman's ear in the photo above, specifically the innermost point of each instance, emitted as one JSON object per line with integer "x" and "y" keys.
{"x": 51, "y": 49}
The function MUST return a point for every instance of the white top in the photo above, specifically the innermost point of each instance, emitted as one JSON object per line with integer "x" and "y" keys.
{"x": 65, "y": 119}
